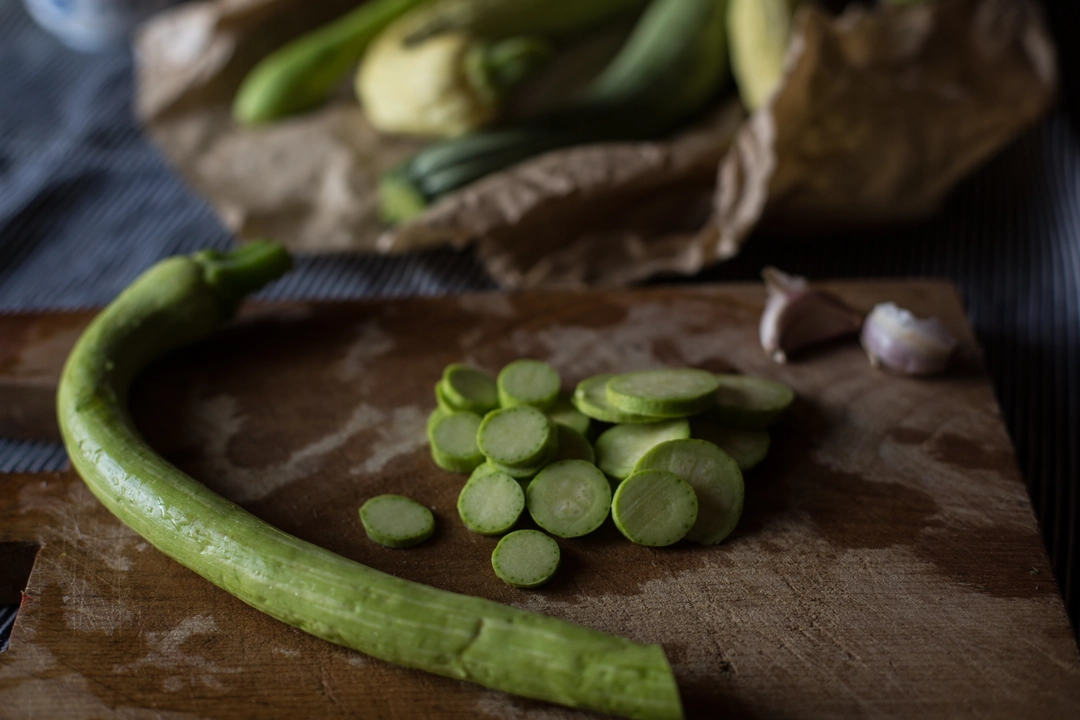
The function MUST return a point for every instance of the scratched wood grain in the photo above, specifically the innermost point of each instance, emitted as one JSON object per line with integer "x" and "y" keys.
{"x": 887, "y": 563}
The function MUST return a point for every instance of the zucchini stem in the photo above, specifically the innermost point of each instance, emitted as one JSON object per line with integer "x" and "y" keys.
{"x": 236, "y": 273}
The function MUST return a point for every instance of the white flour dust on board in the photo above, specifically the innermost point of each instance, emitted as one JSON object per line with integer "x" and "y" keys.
{"x": 218, "y": 419}
{"x": 74, "y": 516}
{"x": 88, "y": 610}
{"x": 48, "y": 689}
{"x": 493, "y": 304}
{"x": 287, "y": 652}
{"x": 579, "y": 351}
{"x": 169, "y": 651}
{"x": 404, "y": 433}
{"x": 494, "y": 704}
{"x": 371, "y": 342}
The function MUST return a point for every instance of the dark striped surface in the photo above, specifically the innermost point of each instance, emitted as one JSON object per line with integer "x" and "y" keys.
{"x": 86, "y": 204}
{"x": 7, "y": 619}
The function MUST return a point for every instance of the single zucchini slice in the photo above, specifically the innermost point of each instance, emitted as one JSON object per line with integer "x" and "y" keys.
{"x": 526, "y": 558}
{"x": 483, "y": 469}
{"x": 746, "y": 401}
{"x": 491, "y": 503}
{"x": 564, "y": 413}
{"x": 470, "y": 389}
{"x": 453, "y": 464}
{"x": 527, "y": 472}
{"x": 654, "y": 507}
{"x": 518, "y": 435}
{"x": 453, "y": 442}
{"x": 569, "y": 498}
{"x": 522, "y": 475}
{"x": 181, "y": 301}
{"x": 528, "y": 382}
{"x": 396, "y": 521}
{"x": 716, "y": 480}
{"x": 436, "y": 415}
{"x": 668, "y": 392}
{"x": 619, "y": 448}
{"x": 523, "y": 472}
{"x": 590, "y": 397}
{"x": 573, "y": 445}
{"x": 445, "y": 402}
{"x": 746, "y": 447}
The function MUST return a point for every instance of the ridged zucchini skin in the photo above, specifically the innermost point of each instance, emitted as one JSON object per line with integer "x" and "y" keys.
{"x": 182, "y": 301}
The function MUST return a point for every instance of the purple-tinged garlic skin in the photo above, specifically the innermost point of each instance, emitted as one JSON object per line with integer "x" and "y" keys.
{"x": 898, "y": 341}
{"x": 797, "y": 316}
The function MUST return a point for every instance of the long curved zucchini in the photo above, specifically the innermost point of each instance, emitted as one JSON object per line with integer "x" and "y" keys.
{"x": 182, "y": 300}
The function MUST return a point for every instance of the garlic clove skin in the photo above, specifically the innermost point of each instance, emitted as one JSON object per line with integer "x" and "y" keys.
{"x": 798, "y": 316}
{"x": 897, "y": 340}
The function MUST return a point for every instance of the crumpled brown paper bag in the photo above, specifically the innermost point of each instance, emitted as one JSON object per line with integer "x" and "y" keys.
{"x": 879, "y": 115}
{"x": 308, "y": 181}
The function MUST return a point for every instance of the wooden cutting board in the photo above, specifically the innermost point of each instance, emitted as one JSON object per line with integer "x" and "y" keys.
{"x": 887, "y": 563}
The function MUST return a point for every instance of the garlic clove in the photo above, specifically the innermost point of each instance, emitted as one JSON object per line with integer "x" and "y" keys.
{"x": 897, "y": 340}
{"x": 798, "y": 316}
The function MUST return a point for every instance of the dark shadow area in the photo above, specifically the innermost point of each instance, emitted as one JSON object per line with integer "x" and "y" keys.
{"x": 713, "y": 698}
{"x": 16, "y": 563}
{"x": 1063, "y": 18}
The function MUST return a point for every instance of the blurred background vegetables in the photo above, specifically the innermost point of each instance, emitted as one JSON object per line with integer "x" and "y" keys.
{"x": 445, "y": 68}
{"x": 430, "y": 67}
{"x": 671, "y": 66}
{"x": 300, "y": 75}
{"x": 584, "y": 144}
{"x": 758, "y": 38}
